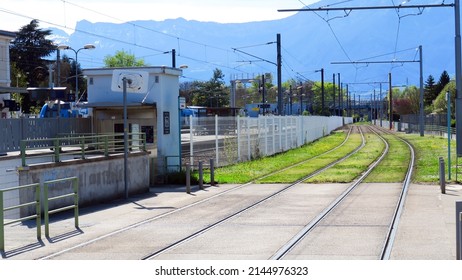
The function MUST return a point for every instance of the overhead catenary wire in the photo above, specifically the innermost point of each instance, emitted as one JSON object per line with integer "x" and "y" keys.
{"x": 158, "y": 51}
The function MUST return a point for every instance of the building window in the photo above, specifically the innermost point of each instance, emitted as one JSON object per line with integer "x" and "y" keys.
{"x": 149, "y": 131}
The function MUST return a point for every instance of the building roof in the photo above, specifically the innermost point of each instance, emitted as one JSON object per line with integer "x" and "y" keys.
{"x": 9, "y": 34}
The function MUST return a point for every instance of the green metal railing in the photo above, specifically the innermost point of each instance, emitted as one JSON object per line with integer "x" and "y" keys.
{"x": 36, "y": 216}
{"x": 74, "y": 194}
{"x": 80, "y": 146}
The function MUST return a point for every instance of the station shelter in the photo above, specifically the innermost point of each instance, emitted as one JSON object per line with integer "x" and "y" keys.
{"x": 154, "y": 112}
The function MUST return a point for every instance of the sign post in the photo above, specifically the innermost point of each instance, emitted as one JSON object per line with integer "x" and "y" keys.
{"x": 133, "y": 82}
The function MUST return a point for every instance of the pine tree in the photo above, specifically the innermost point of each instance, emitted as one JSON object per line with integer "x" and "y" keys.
{"x": 429, "y": 91}
{"x": 28, "y": 51}
{"x": 444, "y": 80}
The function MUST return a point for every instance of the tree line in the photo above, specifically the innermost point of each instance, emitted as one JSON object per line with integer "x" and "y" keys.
{"x": 31, "y": 56}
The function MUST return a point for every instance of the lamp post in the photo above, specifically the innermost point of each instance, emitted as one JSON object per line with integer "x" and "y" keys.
{"x": 301, "y": 94}
{"x": 86, "y": 47}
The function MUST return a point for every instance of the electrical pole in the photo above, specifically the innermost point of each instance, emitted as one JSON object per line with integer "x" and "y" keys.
{"x": 339, "y": 93}
{"x": 279, "y": 66}
{"x": 458, "y": 46}
{"x": 421, "y": 105}
{"x": 390, "y": 102}
{"x": 333, "y": 91}
{"x": 458, "y": 49}
{"x": 322, "y": 91}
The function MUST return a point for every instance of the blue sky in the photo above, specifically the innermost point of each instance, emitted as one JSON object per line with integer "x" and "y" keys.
{"x": 16, "y": 13}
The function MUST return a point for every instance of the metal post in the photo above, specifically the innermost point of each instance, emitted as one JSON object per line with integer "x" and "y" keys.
{"x": 460, "y": 236}
{"x": 459, "y": 229}
{"x": 263, "y": 93}
{"x": 458, "y": 47}
{"x": 322, "y": 91}
{"x": 201, "y": 175}
{"x": 442, "y": 176}
{"x": 421, "y": 119}
{"x": 279, "y": 65}
{"x": 188, "y": 178}
{"x": 125, "y": 136}
{"x": 2, "y": 226}
{"x": 333, "y": 91}
{"x": 390, "y": 101}
{"x": 381, "y": 105}
{"x": 75, "y": 185}
{"x": 448, "y": 97}
{"x": 46, "y": 214}
{"x": 56, "y": 147}
{"x": 38, "y": 209}
{"x": 212, "y": 173}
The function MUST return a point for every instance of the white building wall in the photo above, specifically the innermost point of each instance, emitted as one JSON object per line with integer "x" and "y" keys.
{"x": 4, "y": 68}
{"x": 163, "y": 91}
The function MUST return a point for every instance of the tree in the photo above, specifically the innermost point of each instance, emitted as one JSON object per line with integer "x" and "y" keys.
{"x": 28, "y": 51}
{"x": 123, "y": 59}
{"x": 440, "y": 104}
{"x": 406, "y": 102}
{"x": 212, "y": 93}
{"x": 443, "y": 81}
{"x": 430, "y": 91}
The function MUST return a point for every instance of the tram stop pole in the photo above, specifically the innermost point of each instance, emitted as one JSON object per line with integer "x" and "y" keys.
{"x": 459, "y": 229}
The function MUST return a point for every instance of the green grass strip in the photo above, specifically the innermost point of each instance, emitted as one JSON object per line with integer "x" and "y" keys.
{"x": 248, "y": 171}
{"x": 297, "y": 172}
{"x": 394, "y": 166}
{"x": 354, "y": 166}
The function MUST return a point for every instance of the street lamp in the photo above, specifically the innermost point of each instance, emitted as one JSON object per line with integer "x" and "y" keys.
{"x": 86, "y": 47}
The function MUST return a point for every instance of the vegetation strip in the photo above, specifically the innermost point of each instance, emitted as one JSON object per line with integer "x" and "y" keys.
{"x": 248, "y": 171}
{"x": 308, "y": 167}
{"x": 354, "y": 166}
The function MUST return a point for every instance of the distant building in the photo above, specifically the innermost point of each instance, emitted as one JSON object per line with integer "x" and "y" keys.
{"x": 5, "y": 81}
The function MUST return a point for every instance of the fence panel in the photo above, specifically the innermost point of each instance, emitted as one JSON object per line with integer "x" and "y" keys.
{"x": 12, "y": 131}
{"x": 229, "y": 140}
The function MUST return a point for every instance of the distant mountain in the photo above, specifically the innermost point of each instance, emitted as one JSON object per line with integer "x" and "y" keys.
{"x": 310, "y": 41}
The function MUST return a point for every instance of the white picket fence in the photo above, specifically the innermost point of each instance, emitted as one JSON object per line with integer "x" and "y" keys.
{"x": 229, "y": 140}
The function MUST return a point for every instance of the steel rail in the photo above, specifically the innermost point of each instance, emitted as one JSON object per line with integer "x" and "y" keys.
{"x": 212, "y": 226}
{"x": 389, "y": 241}
{"x": 284, "y": 250}
{"x": 126, "y": 228}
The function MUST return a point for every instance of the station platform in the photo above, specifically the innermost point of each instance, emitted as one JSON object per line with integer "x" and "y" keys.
{"x": 426, "y": 231}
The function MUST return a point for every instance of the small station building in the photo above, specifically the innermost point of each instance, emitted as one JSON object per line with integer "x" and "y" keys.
{"x": 154, "y": 112}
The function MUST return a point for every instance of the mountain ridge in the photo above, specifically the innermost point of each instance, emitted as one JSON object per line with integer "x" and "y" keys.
{"x": 310, "y": 41}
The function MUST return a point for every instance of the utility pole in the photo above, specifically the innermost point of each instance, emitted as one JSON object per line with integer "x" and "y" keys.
{"x": 390, "y": 102}
{"x": 279, "y": 67}
{"x": 263, "y": 93}
{"x": 348, "y": 101}
{"x": 333, "y": 91}
{"x": 458, "y": 49}
{"x": 322, "y": 91}
{"x": 339, "y": 94}
{"x": 421, "y": 105}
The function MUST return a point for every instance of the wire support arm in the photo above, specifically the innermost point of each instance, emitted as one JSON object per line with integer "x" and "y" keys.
{"x": 368, "y": 8}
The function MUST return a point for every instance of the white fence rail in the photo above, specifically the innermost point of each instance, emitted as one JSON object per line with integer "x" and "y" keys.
{"x": 229, "y": 140}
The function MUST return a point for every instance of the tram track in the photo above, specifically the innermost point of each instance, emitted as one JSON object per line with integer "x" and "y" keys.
{"x": 386, "y": 249}
{"x": 224, "y": 220}
{"x": 182, "y": 209}
{"x": 202, "y": 230}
